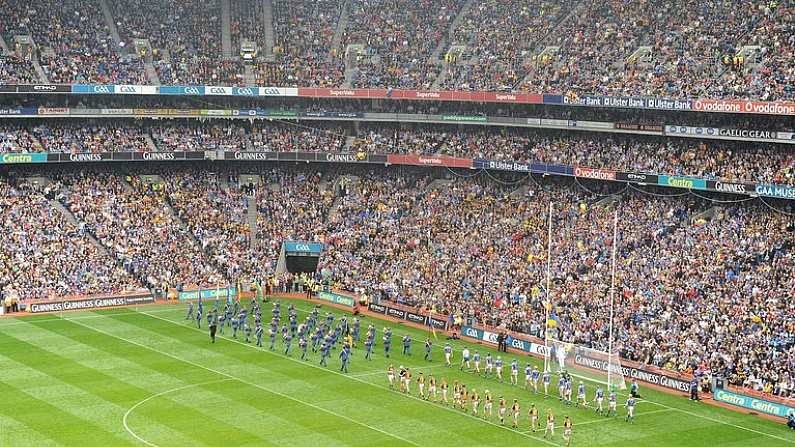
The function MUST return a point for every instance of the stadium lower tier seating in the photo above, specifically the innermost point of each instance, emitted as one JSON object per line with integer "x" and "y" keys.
{"x": 700, "y": 285}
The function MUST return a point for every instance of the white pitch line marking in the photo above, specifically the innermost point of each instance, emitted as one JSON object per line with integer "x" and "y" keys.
{"x": 255, "y": 385}
{"x": 689, "y": 413}
{"x": 154, "y": 396}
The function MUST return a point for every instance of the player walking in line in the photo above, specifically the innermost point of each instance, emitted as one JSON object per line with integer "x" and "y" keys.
{"x": 406, "y": 345}
{"x": 402, "y": 379}
{"x": 345, "y": 355}
{"x": 501, "y": 411}
{"x": 421, "y": 385}
{"x": 561, "y": 388}
{"x": 316, "y": 335}
{"x": 448, "y": 354}
{"x": 567, "y": 426}
{"x": 272, "y": 335}
{"x": 546, "y": 378}
{"x": 288, "y": 343}
{"x": 611, "y": 405}
{"x": 387, "y": 341}
{"x": 444, "y": 386}
{"x": 536, "y": 375}
{"x": 390, "y": 376}
{"x": 581, "y": 395}
{"x": 515, "y": 411}
{"x": 476, "y": 361}
{"x": 303, "y": 345}
{"x": 498, "y": 368}
{"x": 456, "y": 394}
{"x": 528, "y": 376}
{"x": 475, "y": 402}
{"x": 221, "y": 323}
{"x": 568, "y": 391}
{"x": 235, "y": 327}
{"x": 431, "y": 387}
{"x": 464, "y": 398}
{"x": 407, "y": 380}
{"x": 630, "y": 410}
{"x": 189, "y": 316}
{"x": 428, "y": 350}
{"x": 550, "y": 430}
{"x": 355, "y": 330}
{"x": 514, "y": 372}
{"x": 258, "y": 333}
{"x": 488, "y": 405}
{"x": 247, "y": 332}
{"x": 489, "y": 365}
{"x": 532, "y": 414}
{"x": 324, "y": 353}
{"x": 465, "y": 359}
{"x": 600, "y": 397}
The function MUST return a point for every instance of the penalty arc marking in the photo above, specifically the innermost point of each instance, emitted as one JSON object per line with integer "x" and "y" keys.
{"x": 155, "y": 396}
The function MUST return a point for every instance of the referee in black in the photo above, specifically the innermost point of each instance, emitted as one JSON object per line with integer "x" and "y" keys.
{"x": 213, "y": 325}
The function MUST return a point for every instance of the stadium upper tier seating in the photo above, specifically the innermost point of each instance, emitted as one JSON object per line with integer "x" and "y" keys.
{"x": 692, "y": 291}
{"x": 725, "y": 49}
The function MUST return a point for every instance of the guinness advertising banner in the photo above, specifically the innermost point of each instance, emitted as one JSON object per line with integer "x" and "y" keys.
{"x": 90, "y": 303}
{"x": 582, "y": 359}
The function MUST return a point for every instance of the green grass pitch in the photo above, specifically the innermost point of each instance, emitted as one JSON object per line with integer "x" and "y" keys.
{"x": 147, "y": 377}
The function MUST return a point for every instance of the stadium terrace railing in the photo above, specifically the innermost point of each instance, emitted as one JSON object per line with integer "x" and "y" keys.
{"x": 623, "y": 102}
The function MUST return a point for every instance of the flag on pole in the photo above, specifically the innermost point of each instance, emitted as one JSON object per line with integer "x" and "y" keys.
{"x": 430, "y": 321}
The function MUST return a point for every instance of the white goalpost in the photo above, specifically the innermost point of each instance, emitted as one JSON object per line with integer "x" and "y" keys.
{"x": 581, "y": 361}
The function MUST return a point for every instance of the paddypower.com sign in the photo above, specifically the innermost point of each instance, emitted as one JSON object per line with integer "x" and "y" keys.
{"x": 753, "y": 403}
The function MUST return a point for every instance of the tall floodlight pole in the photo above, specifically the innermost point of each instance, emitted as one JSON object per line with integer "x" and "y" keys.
{"x": 548, "y": 291}
{"x": 612, "y": 297}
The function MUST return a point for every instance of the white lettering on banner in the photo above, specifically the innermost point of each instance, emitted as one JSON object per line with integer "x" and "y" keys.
{"x": 432, "y": 95}
{"x": 470, "y": 332}
{"x": 270, "y": 91}
{"x": 251, "y": 155}
{"x": 738, "y": 188}
{"x": 216, "y": 112}
{"x": 489, "y": 337}
{"x": 127, "y": 89}
{"x": 341, "y": 157}
{"x": 116, "y": 111}
{"x": 501, "y": 97}
{"x": 599, "y": 174}
{"x": 159, "y": 156}
{"x": 101, "y": 89}
{"x": 429, "y": 161}
{"x": 302, "y": 247}
{"x": 333, "y": 92}
{"x": 44, "y": 88}
{"x": 190, "y": 90}
{"x": 213, "y": 90}
{"x": 85, "y": 157}
{"x": 244, "y": 91}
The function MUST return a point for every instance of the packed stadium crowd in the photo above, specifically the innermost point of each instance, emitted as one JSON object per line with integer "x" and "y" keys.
{"x": 694, "y": 293}
{"x": 734, "y": 49}
{"x": 730, "y": 161}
